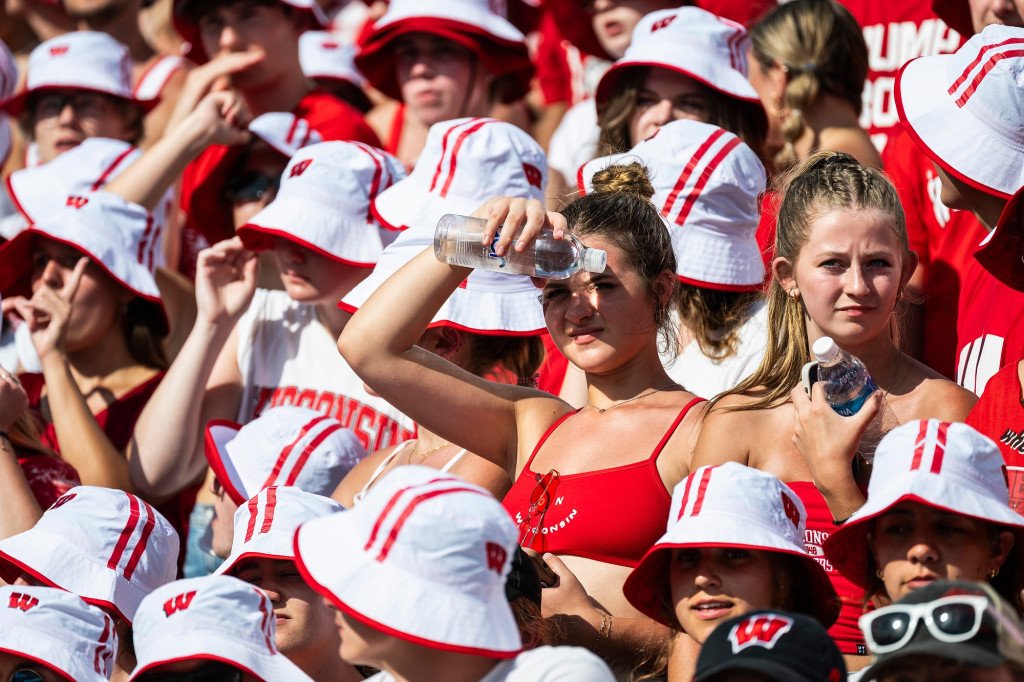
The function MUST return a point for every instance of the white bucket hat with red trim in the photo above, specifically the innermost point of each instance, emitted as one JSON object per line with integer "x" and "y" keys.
{"x": 323, "y": 55}
{"x": 265, "y": 525}
{"x": 464, "y": 163}
{"x": 59, "y": 631}
{"x": 80, "y": 60}
{"x": 689, "y": 41}
{"x": 964, "y": 109}
{"x": 708, "y": 186}
{"x": 948, "y": 466}
{"x": 423, "y": 558}
{"x": 478, "y": 25}
{"x": 285, "y": 132}
{"x": 8, "y": 82}
{"x": 286, "y": 445}
{"x": 709, "y": 511}
{"x": 107, "y": 546}
{"x": 324, "y": 203}
{"x": 215, "y": 618}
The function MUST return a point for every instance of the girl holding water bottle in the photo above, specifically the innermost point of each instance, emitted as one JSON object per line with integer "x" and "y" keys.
{"x": 592, "y": 485}
{"x": 842, "y": 264}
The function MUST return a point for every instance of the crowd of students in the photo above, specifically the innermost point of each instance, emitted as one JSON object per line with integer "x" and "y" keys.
{"x": 252, "y": 427}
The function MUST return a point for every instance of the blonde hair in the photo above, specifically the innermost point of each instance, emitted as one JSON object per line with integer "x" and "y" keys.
{"x": 715, "y": 317}
{"x": 825, "y": 182}
{"x": 821, "y": 46}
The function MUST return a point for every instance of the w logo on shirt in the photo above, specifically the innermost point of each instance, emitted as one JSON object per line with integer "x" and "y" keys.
{"x": 762, "y": 630}
{"x": 299, "y": 168}
{"x": 179, "y": 603}
{"x": 22, "y": 601}
{"x": 496, "y": 556}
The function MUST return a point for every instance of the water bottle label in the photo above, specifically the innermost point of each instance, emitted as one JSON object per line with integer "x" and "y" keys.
{"x": 492, "y": 254}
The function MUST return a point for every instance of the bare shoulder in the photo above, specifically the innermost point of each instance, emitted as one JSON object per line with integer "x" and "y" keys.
{"x": 358, "y": 475}
{"x": 936, "y": 397}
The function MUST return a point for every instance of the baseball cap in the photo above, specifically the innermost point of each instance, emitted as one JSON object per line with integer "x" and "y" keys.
{"x": 58, "y": 630}
{"x": 218, "y": 618}
{"x": 706, "y": 511}
{"x": 423, "y": 558}
{"x": 708, "y": 185}
{"x": 109, "y": 547}
{"x": 948, "y": 466}
{"x": 473, "y": 24}
{"x": 324, "y": 203}
{"x": 1002, "y": 252}
{"x": 973, "y": 94}
{"x": 265, "y": 525}
{"x": 285, "y": 446}
{"x": 80, "y": 60}
{"x": 785, "y": 647}
{"x": 976, "y": 627}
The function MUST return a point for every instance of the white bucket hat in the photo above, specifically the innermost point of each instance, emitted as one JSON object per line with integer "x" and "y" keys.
{"x": 324, "y": 203}
{"x": 948, "y": 466}
{"x": 80, "y": 60}
{"x": 286, "y": 445}
{"x": 709, "y": 511}
{"x": 692, "y": 42}
{"x": 488, "y": 302}
{"x": 8, "y": 82}
{"x": 265, "y": 525}
{"x": 324, "y": 56}
{"x": 219, "y": 618}
{"x": 964, "y": 109}
{"x": 107, "y": 546}
{"x": 57, "y": 630}
{"x": 464, "y": 163}
{"x": 424, "y": 558}
{"x": 708, "y": 186}
{"x": 285, "y": 132}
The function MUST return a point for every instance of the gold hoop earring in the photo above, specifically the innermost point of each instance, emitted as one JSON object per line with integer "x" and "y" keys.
{"x": 794, "y": 294}
{"x": 993, "y": 573}
{"x": 878, "y": 574}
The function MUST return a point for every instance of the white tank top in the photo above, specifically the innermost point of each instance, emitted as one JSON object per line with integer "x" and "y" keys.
{"x": 358, "y": 497}
{"x": 287, "y": 357}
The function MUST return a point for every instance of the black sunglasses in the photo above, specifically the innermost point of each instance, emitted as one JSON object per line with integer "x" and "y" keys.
{"x": 215, "y": 671}
{"x": 25, "y": 675}
{"x": 250, "y": 186}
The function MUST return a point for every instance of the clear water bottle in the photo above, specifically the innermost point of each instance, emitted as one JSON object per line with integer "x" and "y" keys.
{"x": 458, "y": 240}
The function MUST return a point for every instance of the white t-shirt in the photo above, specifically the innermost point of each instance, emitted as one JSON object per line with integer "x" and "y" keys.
{"x": 574, "y": 141}
{"x": 543, "y": 664}
{"x": 708, "y": 377}
{"x": 287, "y": 357}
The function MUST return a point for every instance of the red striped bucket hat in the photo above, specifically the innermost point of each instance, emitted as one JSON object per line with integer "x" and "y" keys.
{"x": 285, "y": 446}
{"x": 109, "y": 547}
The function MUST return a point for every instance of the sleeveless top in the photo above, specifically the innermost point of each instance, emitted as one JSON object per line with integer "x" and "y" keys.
{"x": 358, "y": 497}
{"x": 610, "y": 515}
{"x": 820, "y": 525}
{"x": 999, "y": 415}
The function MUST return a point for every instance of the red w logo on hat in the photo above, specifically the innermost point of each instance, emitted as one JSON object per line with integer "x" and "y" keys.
{"x": 662, "y": 23}
{"x": 179, "y": 603}
{"x": 496, "y": 556}
{"x": 791, "y": 510}
{"x": 21, "y": 601}
{"x": 76, "y": 201}
{"x": 300, "y": 168}
{"x": 533, "y": 174}
{"x": 61, "y": 501}
{"x": 762, "y": 630}
{"x": 58, "y": 50}
{"x": 329, "y": 45}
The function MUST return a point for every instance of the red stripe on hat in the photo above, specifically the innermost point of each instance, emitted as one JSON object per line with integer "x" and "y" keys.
{"x": 151, "y": 254}
{"x": 102, "y": 180}
{"x": 375, "y": 184}
{"x": 455, "y": 154}
{"x": 977, "y": 60}
{"x": 254, "y": 510}
{"x": 440, "y": 162}
{"x": 704, "y": 480}
{"x": 140, "y": 546}
{"x": 989, "y": 65}
{"x": 97, "y": 663}
{"x": 702, "y": 181}
{"x": 126, "y": 532}
{"x": 684, "y": 177}
{"x": 922, "y": 437}
{"x": 308, "y": 450}
{"x": 144, "y": 240}
{"x": 268, "y": 511}
{"x": 940, "y": 448}
{"x": 265, "y": 623}
{"x": 291, "y": 130}
{"x": 391, "y": 505}
{"x": 308, "y": 134}
{"x": 283, "y": 457}
{"x": 686, "y": 497}
{"x": 413, "y": 503}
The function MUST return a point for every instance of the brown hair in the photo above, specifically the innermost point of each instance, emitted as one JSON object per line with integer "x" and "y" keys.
{"x": 529, "y": 619}
{"x": 821, "y": 46}
{"x": 825, "y": 182}
{"x": 714, "y": 316}
{"x": 520, "y": 356}
{"x": 144, "y": 327}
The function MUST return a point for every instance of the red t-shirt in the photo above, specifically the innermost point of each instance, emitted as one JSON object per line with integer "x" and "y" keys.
{"x": 208, "y": 215}
{"x": 1000, "y": 416}
{"x": 990, "y": 328}
{"x": 944, "y": 240}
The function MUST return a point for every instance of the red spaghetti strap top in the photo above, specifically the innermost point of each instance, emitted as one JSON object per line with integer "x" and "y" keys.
{"x": 610, "y": 515}
{"x": 395, "y": 132}
{"x": 844, "y": 632}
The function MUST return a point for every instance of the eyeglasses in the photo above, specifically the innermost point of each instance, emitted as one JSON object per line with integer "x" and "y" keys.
{"x": 84, "y": 104}
{"x": 250, "y": 186}
{"x": 25, "y": 675}
{"x": 214, "y": 671}
{"x": 534, "y": 537}
{"x": 950, "y": 619}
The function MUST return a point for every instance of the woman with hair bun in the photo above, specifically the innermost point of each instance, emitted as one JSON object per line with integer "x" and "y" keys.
{"x": 592, "y": 485}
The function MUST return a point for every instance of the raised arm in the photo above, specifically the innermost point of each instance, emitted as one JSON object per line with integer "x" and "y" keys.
{"x": 19, "y": 510}
{"x": 379, "y": 342}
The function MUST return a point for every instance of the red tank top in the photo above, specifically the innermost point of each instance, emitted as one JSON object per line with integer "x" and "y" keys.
{"x": 581, "y": 519}
{"x": 844, "y": 632}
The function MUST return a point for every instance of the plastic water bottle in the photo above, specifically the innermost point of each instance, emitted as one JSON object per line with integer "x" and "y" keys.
{"x": 458, "y": 240}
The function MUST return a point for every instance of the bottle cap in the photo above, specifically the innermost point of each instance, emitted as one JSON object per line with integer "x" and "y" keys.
{"x": 594, "y": 260}
{"x": 825, "y": 349}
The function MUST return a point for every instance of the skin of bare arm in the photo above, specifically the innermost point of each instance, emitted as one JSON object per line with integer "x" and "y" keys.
{"x": 18, "y": 505}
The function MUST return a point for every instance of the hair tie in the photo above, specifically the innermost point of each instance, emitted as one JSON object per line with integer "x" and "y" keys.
{"x": 810, "y": 68}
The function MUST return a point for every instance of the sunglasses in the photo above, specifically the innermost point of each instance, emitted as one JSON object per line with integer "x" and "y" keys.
{"x": 210, "y": 672}
{"x": 25, "y": 675}
{"x": 534, "y": 537}
{"x": 949, "y": 619}
{"x": 84, "y": 104}
{"x": 249, "y": 186}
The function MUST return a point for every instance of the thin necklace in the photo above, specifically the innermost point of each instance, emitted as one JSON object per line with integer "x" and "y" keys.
{"x": 423, "y": 455}
{"x": 636, "y": 397}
